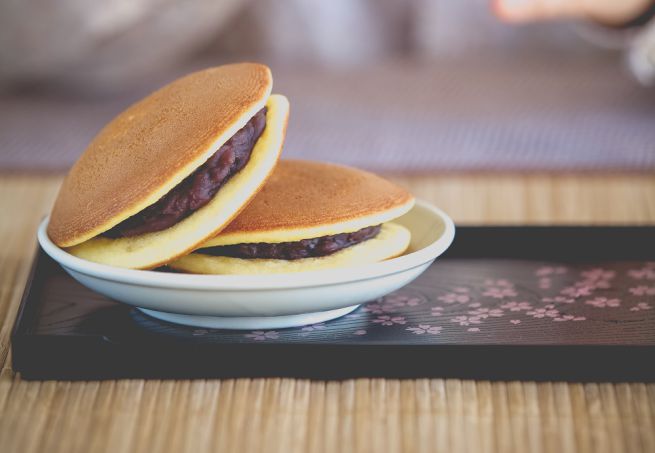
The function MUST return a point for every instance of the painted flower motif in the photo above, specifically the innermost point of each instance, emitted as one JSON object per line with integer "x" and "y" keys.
{"x": 569, "y": 318}
{"x": 515, "y": 321}
{"x": 401, "y": 300}
{"x": 546, "y": 312}
{"x": 373, "y": 307}
{"x": 312, "y": 327}
{"x": 592, "y": 279}
{"x": 466, "y": 320}
{"x": 577, "y": 291}
{"x": 643, "y": 290}
{"x": 424, "y": 328}
{"x": 436, "y": 311}
{"x": 595, "y": 284}
{"x": 451, "y": 298}
{"x": 603, "y": 302}
{"x": 386, "y": 320}
{"x": 598, "y": 274}
{"x": 261, "y": 335}
{"x": 641, "y": 306}
{"x": 645, "y": 273}
{"x": 558, "y": 300}
{"x": 486, "y": 312}
{"x": 414, "y": 301}
{"x": 516, "y": 306}
{"x": 475, "y": 305}
{"x": 550, "y": 270}
{"x": 498, "y": 292}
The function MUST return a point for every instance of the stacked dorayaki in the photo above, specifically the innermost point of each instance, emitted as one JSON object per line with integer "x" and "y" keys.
{"x": 190, "y": 177}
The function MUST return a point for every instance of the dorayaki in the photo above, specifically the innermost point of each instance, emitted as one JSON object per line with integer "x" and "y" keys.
{"x": 173, "y": 169}
{"x": 308, "y": 216}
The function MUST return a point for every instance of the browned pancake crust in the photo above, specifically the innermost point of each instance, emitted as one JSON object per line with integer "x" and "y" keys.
{"x": 144, "y": 148}
{"x": 302, "y": 194}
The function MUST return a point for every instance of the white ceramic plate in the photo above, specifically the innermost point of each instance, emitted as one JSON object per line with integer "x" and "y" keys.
{"x": 264, "y": 301}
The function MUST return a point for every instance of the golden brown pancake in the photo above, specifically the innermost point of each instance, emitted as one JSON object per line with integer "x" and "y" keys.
{"x": 150, "y": 148}
{"x": 306, "y": 200}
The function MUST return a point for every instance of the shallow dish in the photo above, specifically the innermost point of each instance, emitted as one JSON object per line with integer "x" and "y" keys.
{"x": 264, "y": 301}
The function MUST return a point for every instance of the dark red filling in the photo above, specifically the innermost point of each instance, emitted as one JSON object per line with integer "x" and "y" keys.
{"x": 306, "y": 248}
{"x": 197, "y": 189}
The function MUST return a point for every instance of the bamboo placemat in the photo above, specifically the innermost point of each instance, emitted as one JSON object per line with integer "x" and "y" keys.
{"x": 358, "y": 415}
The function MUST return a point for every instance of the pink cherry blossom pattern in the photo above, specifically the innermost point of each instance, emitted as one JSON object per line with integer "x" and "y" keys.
{"x": 378, "y": 308}
{"x": 516, "y": 306}
{"x": 414, "y": 301}
{"x": 436, "y": 311}
{"x": 641, "y": 306}
{"x": 499, "y": 288}
{"x": 515, "y": 321}
{"x": 474, "y": 305}
{"x": 464, "y": 320}
{"x": 577, "y": 291}
{"x": 592, "y": 280}
{"x": 645, "y": 273}
{"x": 451, "y": 298}
{"x": 603, "y": 302}
{"x": 402, "y": 300}
{"x": 484, "y": 312}
{"x": 545, "y": 271}
{"x": 569, "y": 318}
{"x": 386, "y": 320}
{"x": 558, "y": 300}
{"x": 424, "y": 328}
{"x": 313, "y": 327}
{"x": 261, "y": 335}
{"x": 548, "y": 311}
{"x": 598, "y": 274}
{"x": 643, "y": 290}
{"x": 498, "y": 292}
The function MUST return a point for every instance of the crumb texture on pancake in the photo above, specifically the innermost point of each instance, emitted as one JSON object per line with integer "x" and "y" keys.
{"x": 153, "y": 145}
{"x": 153, "y": 249}
{"x": 392, "y": 241}
{"x": 304, "y": 199}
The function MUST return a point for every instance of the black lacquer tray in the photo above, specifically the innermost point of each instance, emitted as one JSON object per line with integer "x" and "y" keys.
{"x": 543, "y": 303}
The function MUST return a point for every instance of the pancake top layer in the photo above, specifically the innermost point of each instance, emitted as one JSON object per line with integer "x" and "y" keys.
{"x": 302, "y": 195}
{"x": 153, "y": 145}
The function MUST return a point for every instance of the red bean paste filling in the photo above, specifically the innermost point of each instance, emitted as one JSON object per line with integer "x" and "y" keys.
{"x": 306, "y": 248}
{"x": 197, "y": 189}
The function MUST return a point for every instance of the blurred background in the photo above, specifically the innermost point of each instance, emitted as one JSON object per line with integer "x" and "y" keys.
{"x": 389, "y": 85}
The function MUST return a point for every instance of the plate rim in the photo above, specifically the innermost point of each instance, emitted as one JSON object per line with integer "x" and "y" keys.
{"x": 156, "y": 279}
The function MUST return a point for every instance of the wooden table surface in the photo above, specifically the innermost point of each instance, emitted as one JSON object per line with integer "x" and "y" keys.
{"x": 362, "y": 415}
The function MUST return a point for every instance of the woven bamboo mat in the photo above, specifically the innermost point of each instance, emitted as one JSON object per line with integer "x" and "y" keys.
{"x": 362, "y": 415}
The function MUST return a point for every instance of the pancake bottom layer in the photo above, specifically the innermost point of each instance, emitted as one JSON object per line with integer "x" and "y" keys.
{"x": 153, "y": 249}
{"x": 392, "y": 241}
